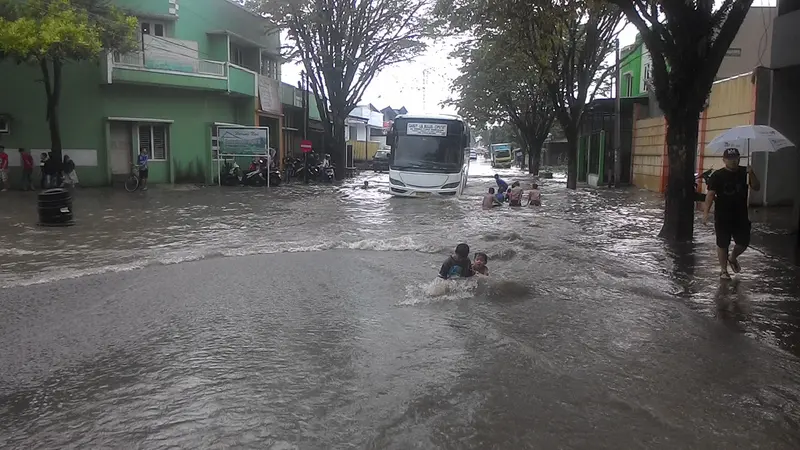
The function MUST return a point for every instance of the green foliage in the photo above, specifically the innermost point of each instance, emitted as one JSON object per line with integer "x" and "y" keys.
{"x": 565, "y": 43}
{"x": 498, "y": 84}
{"x": 36, "y": 30}
{"x": 343, "y": 45}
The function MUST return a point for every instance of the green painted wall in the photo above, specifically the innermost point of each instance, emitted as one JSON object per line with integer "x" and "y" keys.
{"x": 197, "y": 17}
{"x": 313, "y": 109}
{"x": 193, "y": 112}
{"x": 86, "y": 104}
{"x": 218, "y": 47}
{"x": 22, "y": 96}
{"x": 242, "y": 82}
{"x": 192, "y": 103}
{"x": 168, "y": 79}
{"x": 631, "y": 62}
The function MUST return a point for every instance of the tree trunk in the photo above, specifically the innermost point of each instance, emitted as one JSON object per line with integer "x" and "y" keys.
{"x": 682, "y": 127}
{"x": 535, "y": 157}
{"x": 53, "y": 93}
{"x": 533, "y": 168}
{"x": 337, "y": 146}
{"x": 572, "y": 158}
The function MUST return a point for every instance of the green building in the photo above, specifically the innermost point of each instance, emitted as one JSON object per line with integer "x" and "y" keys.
{"x": 201, "y": 64}
{"x": 635, "y": 69}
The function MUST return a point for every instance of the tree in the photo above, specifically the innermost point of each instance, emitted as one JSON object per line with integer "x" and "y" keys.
{"x": 494, "y": 85}
{"x": 568, "y": 41}
{"x": 52, "y": 33}
{"x": 687, "y": 41}
{"x": 343, "y": 45}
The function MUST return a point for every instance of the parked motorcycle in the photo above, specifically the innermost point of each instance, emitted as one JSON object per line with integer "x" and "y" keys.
{"x": 293, "y": 167}
{"x": 327, "y": 169}
{"x": 255, "y": 175}
{"x": 230, "y": 174}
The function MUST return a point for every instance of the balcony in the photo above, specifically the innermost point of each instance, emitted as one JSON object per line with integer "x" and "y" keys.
{"x": 176, "y": 63}
{"x": 139, "y": 60}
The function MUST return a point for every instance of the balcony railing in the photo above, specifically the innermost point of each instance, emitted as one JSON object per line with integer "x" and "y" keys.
{"x": 172, "y": 55}
{"x": 180, "y": 65}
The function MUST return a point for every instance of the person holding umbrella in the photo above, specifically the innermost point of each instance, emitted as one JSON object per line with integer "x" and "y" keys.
{"x": 728, "y": 188}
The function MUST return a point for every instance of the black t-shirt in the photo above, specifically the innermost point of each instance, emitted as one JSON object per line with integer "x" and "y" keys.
{"x": 456, "y": 267}
{"x": 731, "y": 191}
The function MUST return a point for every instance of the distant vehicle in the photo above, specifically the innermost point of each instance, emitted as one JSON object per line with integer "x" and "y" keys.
{"x": 501, "y": 155}
{"x": 473, "y": 155}
{"x": 380, "y": 162}
{"x": 430, "y": 155}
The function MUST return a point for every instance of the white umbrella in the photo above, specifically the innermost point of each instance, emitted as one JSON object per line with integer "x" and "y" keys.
{"x": 750, "y": 139}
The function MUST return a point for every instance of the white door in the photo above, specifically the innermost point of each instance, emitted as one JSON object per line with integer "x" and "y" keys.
{"x": 120, "y": 150}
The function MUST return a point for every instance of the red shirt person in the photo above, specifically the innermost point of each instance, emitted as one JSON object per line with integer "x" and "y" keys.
{"x": 3, "y": 169}
{"x": 27, "y": 169}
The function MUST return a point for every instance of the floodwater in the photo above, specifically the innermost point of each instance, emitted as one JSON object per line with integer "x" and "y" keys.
{"x": 310, "y": 317}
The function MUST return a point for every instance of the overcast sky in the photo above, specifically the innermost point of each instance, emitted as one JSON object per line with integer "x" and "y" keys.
{"x": 403, "y": 84}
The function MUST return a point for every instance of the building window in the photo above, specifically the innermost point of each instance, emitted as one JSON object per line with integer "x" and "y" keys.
{"x": 237, "y": 56}
{"x": 353, "y": 133}
{"x": 627, "y": 85}
{"x": 646, "y": 74}
{"x": 154, "y": 139}
{"x": 153, "y": 28}
{"x": 269, "y": 67}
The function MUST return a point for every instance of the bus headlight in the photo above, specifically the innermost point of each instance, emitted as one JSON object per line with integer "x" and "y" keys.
{"x": 396, "y": 182}
{"x": 451, "y": 185}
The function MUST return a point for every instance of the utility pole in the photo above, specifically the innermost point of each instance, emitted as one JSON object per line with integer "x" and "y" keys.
{"x": 617, "y": 120}
{"x": 425, "y": 89}
{"x": 304, "y": 96}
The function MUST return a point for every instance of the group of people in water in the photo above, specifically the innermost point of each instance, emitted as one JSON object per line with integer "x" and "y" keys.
{"x": 514, "y": 194}
{"x": 459, "y": 265}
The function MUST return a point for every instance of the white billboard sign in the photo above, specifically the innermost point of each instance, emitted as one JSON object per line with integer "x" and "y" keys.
{"x": 426, "y": 129}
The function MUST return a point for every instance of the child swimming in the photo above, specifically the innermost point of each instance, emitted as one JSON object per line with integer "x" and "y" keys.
{"x": 457, "y": 265}
{"x": 479, "y": 266}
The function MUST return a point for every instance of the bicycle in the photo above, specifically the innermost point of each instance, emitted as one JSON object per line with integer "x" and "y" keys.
{"x": 132, "y": 183}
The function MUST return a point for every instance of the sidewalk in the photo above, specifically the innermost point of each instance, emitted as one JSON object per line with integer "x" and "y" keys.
{"x": 772, "y": 235}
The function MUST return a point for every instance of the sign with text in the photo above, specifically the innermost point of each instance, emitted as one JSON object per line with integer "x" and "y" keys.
{"x": 243, "y": 141}
{"x": 426, "y": 129}
{"x": 269, "y": 94}
{"x": 305, "y": 146}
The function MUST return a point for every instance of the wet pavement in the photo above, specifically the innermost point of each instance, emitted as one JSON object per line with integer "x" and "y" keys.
{"x": 310, "y": 317}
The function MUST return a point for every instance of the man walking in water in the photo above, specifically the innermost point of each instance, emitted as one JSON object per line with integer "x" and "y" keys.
{"x": 729, "y": 188}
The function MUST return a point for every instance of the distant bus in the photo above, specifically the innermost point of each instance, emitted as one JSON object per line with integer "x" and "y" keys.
{"x": 501, "y": 155}
{"x": 430, "y": 155}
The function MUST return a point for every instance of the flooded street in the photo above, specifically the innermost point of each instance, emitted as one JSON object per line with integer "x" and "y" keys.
{"x": 310, "y": 317}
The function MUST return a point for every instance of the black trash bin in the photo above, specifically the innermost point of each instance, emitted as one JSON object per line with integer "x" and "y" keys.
{"x": 55, "y": 208}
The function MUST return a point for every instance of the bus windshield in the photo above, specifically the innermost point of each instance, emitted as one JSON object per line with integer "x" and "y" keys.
{"x": 502, "y": 153}
{"x": 430, "y": 153}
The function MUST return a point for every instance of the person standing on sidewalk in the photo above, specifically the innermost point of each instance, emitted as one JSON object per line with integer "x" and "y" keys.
{"x": 3, "y": 169}
{"x": 728, "y": 188}
{"x": 27, "y": 170}
{"x": 144, "y": 170}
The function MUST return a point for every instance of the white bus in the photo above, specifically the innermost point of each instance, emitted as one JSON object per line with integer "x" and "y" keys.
{"x": 429, "y": 155}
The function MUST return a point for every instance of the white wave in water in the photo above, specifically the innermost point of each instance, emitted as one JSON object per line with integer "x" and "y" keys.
{"x": 440, "y": 290}
{"x": 401, "y": 243}
{"x": 490, "y": 288}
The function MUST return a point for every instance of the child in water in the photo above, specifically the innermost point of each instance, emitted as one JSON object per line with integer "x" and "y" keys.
{"x": 535, "y": 196}
{"x": 515, "y": 195}
{"x": 457, "y": 265}
{"x": 479, "y": 266}
{"x": 490, "y": 200}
